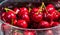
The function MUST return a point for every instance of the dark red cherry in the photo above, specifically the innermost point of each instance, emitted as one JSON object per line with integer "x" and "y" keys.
{"x": 16, "y": 10}
{"x": 10, "y": 16}
{"x": 22, "y": 23}
{"x": 26, "y": 18}
{"x": 50, "y": 8}
{"x": 55, "y": 24}
{"x": 37, "y": 17}
{"x": 15, "y": 22}
{"x": 34, "y": 10}
{"x": 23, "y": 11}
{"x": 44, "y": 24}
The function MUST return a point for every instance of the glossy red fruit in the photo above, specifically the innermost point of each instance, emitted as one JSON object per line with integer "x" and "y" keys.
{"x": 3, "y": 16}
{"x": 10, "y": 16}
{"x": 37, "y": 17}
{"x": 26, "y": 18}
{"x": 29, "y": 33}
{"x": 16, "y": 10}
{"x": 22, "y": 23}
{"x": 15, "y": 22}
{"x": 50, "y": 17}
{"x": 51, "y": 22}
{"x": 23, "y": 11}
{"x": 44, "y": 24}
{"x": 55, "y": 24}
{"x": 50, "y": 8}
{"x": 34, "y": 10}
{"x": 56, "y": 15}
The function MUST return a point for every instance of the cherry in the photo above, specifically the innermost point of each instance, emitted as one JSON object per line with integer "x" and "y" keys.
{"x": 50, "y": 8}
{"x": 22, "y": 23}
{"x": 23, "y": 11}
{"x": 16, "y": 10}
{"x": 51, "y": 22}
{"x": 15, "y": 22}
{"x": 37, "y": 17}
{"x": 26, "y": 18}
{"x": 55, "y": 24}
{"x": 34, "y": 10}
{"x": 10, "y": 16}
{"x": 44, "y": 24}
{"x": 56, "y": 15}
{"x": 29, "y": 33}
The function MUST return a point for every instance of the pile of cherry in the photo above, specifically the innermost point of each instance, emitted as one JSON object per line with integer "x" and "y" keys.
{"x": 33, "y": 18}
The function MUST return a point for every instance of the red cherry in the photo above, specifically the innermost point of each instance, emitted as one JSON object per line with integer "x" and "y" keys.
{"x": 23, "y": 11}
{"x": 15, "y": 22}
{"x": 29, "y": 33}
{"x": 37, "y": 17}
{"x": 34, "y": 10}
{"x": 26, "y": 18}
{"x": 50, "y": 8}
{"x": 10, "y": 16}
{"x": 22, "y": 23}
{"x": 56, "y": 15}
{"x": 16, "y": 10}
{"x": 51, "y": 22}
{"x": 49, "y": 17}
{"x": 55, "y": 24}
{"x": 44, "y": 24}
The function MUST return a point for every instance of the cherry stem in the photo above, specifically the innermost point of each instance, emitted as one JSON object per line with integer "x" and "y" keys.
{"x": 58, "y": 9}
{"x": 40, "y": 9}
{"x": 29, "y": 9}
{"x": 7, "y": 9}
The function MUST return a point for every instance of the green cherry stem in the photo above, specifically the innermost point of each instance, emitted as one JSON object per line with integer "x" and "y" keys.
{"x": 7, "y": 9}
{"x": 40, "y": 8}
{"x": 29, "y": 9}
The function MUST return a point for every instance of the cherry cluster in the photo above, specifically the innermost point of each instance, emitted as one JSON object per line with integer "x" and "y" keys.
{"x": 33, "y": 18}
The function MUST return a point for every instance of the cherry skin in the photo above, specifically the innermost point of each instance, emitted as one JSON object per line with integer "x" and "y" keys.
{"x": 22, "y": 23}
{"x": 34, "y": 10}
{"x": 23, "y": 11}
{"x": 15, "y": 22}
{"x": 55, "y": 24}
{"x": 50, "y": 8}
{"x": 56, "y": 15}
{"x": 44, "y": 24}
{"x": 37, "y": 17}
{"x": 51, "y": 23}
{"x": 16, "y": 10}
{"x": 26, "y": 18}
{"x": 10, "y": 16}
{"x": 29, "y": 33}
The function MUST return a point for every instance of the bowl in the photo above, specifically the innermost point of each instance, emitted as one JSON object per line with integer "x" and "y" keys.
{"x": 13, "y": 30}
